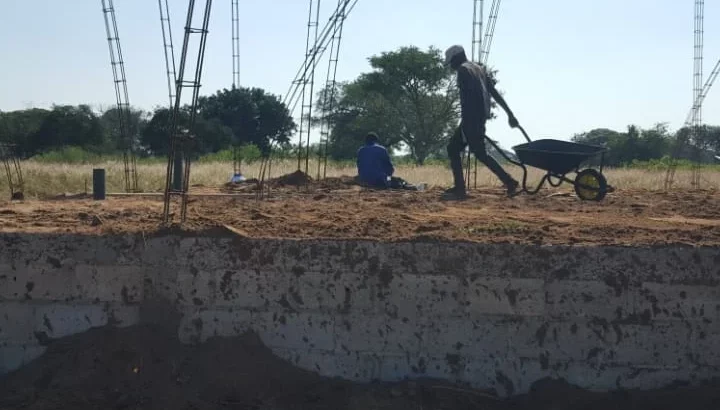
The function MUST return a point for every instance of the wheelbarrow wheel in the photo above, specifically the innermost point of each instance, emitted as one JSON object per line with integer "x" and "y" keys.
{"x": 590, "y": 185}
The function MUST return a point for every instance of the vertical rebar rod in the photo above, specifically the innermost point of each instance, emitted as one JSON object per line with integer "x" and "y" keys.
{"x": 312, "y": 92}
{"x": 181, "y": 146}
{"x": 308, "y": 79}
{"x": 13, "y": 170}
{"x": 475, "y": 56}
{"x": 235, "y": 17}
{"x": 292, "y": 97}
{"x": 303, "y": 85}
{"x": 697, "y": 90}
{"x": 477, "y": 29}
{"x": 489, "y": 31}
{"x": 168, "y": 49}
{"x": 330, "y": 85}
{"x": 117, "y": 64}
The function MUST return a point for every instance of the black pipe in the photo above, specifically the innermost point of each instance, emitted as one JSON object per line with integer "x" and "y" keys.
{"x": 99, "y": 184}
{"x": 178, "y": 172}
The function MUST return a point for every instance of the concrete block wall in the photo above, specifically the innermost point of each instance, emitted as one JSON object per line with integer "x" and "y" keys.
{"x": 498, "y": 317}
{"x": 56, "y": 286}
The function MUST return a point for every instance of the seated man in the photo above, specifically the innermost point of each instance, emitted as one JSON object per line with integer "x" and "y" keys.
{"x": 373, "y": 162}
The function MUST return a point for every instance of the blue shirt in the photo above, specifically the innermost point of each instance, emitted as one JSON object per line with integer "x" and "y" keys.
{"x": 374, "y": 165}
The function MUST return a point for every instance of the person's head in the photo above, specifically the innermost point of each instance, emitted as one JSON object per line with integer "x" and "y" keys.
{"x": 371, "y": 138}
{"x": 455, "y": 56}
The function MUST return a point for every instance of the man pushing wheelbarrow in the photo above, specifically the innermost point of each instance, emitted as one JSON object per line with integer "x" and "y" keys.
{"x": 475, "y": 93}
{"x": 557, "y": 158}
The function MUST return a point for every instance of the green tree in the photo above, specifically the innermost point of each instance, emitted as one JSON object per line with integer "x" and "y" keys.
{"x": 655, "y": 143}
{"x": 699, "y": 144}
{"x": 210, "y": 134}
{"x": 19, "y": 127}
{"x": 68, "y": 125}
{"x": 155, "y": 136}
{"x": 409, "y": 97}
{"x": 633, "y": 145}
{"x": 136, "y": 121}
{"x": 354, "y": 113}
{"x": 254, "y": 116}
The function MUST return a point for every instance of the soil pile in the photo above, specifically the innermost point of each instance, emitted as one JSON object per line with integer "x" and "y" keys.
{"x": 337, "y": 183}
{"x": 249, "y": 184}
{"x": 297, "y": 178}
{"x": 143, "y": 368}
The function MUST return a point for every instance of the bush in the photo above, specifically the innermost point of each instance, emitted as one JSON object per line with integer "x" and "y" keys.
{"x": 248, "y": 154}
{"x": 79, "y": 155}
{"x": 661, "y": 164}
{"x": 70, "y": 155}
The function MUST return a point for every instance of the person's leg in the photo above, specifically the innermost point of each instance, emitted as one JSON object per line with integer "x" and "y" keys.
{"x": 396, "y": 183}
{"x": 477, "y": 146}
{"x": 454, "y": 149}
{"x": 375, "y": 184}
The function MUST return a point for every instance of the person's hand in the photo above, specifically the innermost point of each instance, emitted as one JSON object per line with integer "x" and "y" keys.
{"x": 513, "y": 122}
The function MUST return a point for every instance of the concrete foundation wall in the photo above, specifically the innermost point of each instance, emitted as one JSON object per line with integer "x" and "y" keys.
{"x": 498, "y": 317}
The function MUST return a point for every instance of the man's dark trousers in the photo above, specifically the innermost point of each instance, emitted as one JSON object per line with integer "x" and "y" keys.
{"x": 476, "y": 140}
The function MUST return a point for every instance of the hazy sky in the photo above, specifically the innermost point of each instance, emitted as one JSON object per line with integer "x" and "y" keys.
{"x": 565, "y": 66}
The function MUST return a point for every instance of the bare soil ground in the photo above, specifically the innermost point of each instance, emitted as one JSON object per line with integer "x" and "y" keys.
{"x": 337, "y": 208}
{"x": 143, "y": 368}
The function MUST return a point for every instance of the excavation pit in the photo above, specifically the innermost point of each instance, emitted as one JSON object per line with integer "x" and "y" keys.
{"x": 490, "y": 320}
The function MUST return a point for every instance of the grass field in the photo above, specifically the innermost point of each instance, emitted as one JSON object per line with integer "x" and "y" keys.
{"x": 44, "y": 179}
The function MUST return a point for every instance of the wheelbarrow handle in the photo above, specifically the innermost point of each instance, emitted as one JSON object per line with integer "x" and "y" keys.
{"x": 524, "y": 133}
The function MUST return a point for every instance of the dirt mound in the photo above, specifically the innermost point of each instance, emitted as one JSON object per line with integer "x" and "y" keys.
{"x": 297, "y": 178}
{"x": 144, "y": 368}
{"x": 337, "y": 183}
{"x": 249, "y": 184}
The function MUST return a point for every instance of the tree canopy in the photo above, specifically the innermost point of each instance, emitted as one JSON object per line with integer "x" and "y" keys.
{"x": 409, "y": 98}
{"x": 229, "y": 117}
{"x": 253, "y": 116}
{"x": 657, "y": 142}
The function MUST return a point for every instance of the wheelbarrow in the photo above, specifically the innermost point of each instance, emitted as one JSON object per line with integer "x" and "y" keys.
{"x": 559, "y": 158}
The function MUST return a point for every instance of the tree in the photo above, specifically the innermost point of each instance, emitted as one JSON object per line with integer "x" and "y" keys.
{"x": 654, "y": 143}
{"x": 354, "y": 113}
{"x": 211, "y": 135}
{"x": 137, "y": 120}
{"x": 19, "y": 127}
{"x": 253, "y": 116}
{"x": 409, "y": 97}
{"x": 699, "y": 144}
{"x": 68, "y": 125}
{"x": 156, "y": 134}
{"x": 633, "y": 145}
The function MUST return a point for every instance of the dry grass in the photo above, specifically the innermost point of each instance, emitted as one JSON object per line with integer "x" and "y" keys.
{"x": 45, "y": 179}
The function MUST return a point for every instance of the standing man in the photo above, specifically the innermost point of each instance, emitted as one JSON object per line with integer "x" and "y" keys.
{"x": 475, "y": 93}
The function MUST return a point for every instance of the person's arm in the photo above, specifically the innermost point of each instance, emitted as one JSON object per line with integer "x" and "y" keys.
{"x": 357, "y": 161}
{"x": 501, "y": 102}
{"x": 389, "y": 169}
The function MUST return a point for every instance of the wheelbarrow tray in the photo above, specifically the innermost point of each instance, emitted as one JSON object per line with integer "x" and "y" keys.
{"x": 556, "y": 156}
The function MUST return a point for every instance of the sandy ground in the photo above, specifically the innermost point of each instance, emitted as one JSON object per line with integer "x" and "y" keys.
{"x": 336, "y": 209}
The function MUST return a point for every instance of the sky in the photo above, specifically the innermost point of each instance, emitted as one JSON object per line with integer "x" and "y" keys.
{"x": 564, "y": 66}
